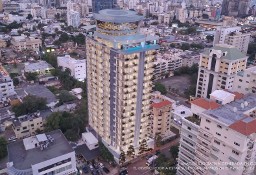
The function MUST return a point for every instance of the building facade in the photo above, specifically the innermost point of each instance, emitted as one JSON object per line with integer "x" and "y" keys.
{"x": 23, "y": 42}
{"x": 6, "y": 85}
{"x": 224, "y": 142}
{"x": 77, "y": 67}
{"x": 119, "y": 79}
{"x": 239, "y": 40}
{"x": 27, "y": 125}
{"x": 98, "y": 5}
{"x": 245, "y": 81}
{"x": 217, "y": 69}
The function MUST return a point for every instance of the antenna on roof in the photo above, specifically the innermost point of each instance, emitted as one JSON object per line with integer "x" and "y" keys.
{"x": 235, "y": 109}
{"x": 246, "y": 103}
{"x": 242, "y": 105}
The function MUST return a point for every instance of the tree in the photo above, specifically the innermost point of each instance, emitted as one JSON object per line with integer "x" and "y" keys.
{"x": 191, "y": 30}
{"x": 53, "y": 121}
{"x": 3, "y": 148}
{"x": 160, "y": 87}
{"x": 185, "y": 46}
{"x": 105, "y": 154}
{"x": 205, "y": 16}
{"x": 16, "y": 81}
{"x": 143, "y": 146}
{"x": 31, "y": 76}
{"x": 29, "y": 17}
{"x": 30, "y": 104}
{"x": 174, "y": 150}
{"x": 79, "y": 39}
{"x": 131, "y": 151}
{"x": 158, "y": 139}
{"x": 122, "y": 158}
{"x": 65, "y": 96}
{"x": 64, "y": 37}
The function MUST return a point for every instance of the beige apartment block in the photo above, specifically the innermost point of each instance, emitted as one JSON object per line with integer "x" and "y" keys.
{"x": 217, "y": 69}
{"x": 120, "y": 65}
{"x": 23, "y": 42}
{"x": 223, "y": 139}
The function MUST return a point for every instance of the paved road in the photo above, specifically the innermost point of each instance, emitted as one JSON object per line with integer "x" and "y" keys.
{"x": 139, "y": 166}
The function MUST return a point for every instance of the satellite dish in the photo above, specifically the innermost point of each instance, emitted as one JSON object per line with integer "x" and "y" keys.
{"x": 242, "y": 105}
{"x": 246, "y": 103}
{"x": 235, "y": 109}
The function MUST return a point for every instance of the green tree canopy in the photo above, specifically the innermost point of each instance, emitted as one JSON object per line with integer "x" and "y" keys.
{"x": 160, "y": 87}
{"x": 31, "y": 76}
{"x": 64, "y": 37}
{"x": 105, "y": 154}
{"x": 174, "y": 150}
{"x": 185, "y": 46}
{"x": 65, "y": 96}
{"x": 16, "y": 81}
{"x": 29, "y": 17}
{"x": 122, "y": 158}
{"x": 3, "y": 148}
{"x": 30, "y": 104}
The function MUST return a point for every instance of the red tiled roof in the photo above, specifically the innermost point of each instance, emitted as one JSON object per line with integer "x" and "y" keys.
{"x": 206, "y": 104}
{"x": 245, "y": 128}
{"x": 238, "y": 95}
{"x": 161, "y": 104}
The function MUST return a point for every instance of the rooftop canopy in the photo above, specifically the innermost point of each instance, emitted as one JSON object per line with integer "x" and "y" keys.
{"x": 117, "y": 16}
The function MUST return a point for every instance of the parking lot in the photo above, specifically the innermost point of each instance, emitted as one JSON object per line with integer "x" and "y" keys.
{"x": 94, "y": 167}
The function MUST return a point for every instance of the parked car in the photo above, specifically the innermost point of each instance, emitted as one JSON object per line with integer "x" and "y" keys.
{"x": 124, "y": 172}
{"x": 91, "y": 167}
{"x": 101, "y": 165}
{"x": 106, "y": 170}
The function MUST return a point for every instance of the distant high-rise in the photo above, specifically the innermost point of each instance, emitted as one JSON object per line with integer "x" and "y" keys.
{"x": 120, "y": 66}
{"x": 235, "y": 7}
{"x": 98, "y": 5}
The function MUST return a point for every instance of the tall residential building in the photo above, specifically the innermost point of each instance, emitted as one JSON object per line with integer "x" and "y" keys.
{"x": 222, "y": 141}
{"x": 98, "y": 5}
{"x": 217, "y": 69}
{"x": 120, "y": 65}
{"x": 77, "y": 67}
{"x": 222, "y": 32}
{"x": 73, "y": 15}
{"x": 245, "y": 81}
{"x": 161, "y": 116}
{"x": 239, "y": 40}
{"x": 232, "y": 36}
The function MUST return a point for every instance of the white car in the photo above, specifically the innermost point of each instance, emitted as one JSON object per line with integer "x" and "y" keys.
{"x": 12, "y": 138}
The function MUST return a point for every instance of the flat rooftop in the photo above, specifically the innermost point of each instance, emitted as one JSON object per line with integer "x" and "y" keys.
{"x": 23, "y": 159}
{"x": 234, "y": 111}
{"x": 41, "y": 91}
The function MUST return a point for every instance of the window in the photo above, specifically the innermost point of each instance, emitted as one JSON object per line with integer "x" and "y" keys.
{"x": 237, "y": 144}
{"x": 189, "y": 136}
{"x": 189, "y": 128}
{"x": 235, "y": 152}
{"x": 218, "y": 134}
{"x": 208, "y": 121}
{"x": 217, "y": 142}
{"x": 219, "y": 126}
{"x": 207, "y": 128}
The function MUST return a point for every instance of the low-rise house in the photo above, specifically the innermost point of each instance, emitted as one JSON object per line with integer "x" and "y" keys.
{"x": 40, "y": 67}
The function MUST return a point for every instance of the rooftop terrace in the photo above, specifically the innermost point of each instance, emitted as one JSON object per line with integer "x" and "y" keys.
{"x": 23, "y": 159}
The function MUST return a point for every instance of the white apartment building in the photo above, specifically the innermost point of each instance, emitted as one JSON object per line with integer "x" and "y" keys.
{"x": 239, "y": 40}
{"x": 40, "y": 67}
{"x": 217, "y": 69}
{"x": 6, "y": 84}
{"x": 23, "y": 42}
{"x": 224, "y": 140}
{"x": 73, "y": 15}
{"x": 77, "y": 67}
{"x": 166, "y": 63}
{"x": 222, "y": 32}
{"x": 48, "y": 153}
{"x": 245, "y": 81}
{"x": 178, "y": 114}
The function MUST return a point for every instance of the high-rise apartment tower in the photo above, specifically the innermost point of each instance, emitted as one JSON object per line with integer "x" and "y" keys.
{"x": 119, "y": 78}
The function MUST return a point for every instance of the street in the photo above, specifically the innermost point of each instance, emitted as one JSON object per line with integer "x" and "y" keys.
{"x": 139, "y": 167}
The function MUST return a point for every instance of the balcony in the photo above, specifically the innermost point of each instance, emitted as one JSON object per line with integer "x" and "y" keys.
{"x": 194, "y": 119}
